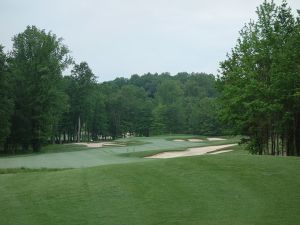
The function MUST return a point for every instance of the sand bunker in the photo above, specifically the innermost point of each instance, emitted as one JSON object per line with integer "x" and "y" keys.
{"x": 195, "y": 140}
{"x": 216, "y": 139}
{"x": 190, "y": 152}
{"x": 112, "y": 144}
{"x": 191, "y": 140}
{"x": 98, "y": 144}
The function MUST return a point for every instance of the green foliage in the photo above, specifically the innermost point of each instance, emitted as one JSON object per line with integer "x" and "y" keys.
{"x": 169, "y": 92}
{"x": 49, "y": 108}
{"x": 98, "y": 123}
{"x": 130, "y": 111}
{"x": 37, "y": 60}
{"x": 261, "y": 79}
{"x": 204, "y": 118}
{"x": 82, "y": 104}
{"x": 6, "y": 101}
{"x": 158, "y": 125}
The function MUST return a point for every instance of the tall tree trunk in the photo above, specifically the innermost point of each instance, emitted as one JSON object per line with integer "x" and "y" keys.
{"x": 64, "y": 137}
{"x": 297, "y": 136}
{"x": 79, "y": 130}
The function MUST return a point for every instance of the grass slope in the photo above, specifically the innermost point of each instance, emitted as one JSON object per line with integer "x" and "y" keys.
{"x": 225, "y": 189}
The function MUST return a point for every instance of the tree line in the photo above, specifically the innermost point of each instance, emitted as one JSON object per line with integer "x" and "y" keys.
{"x": 257, "y": 93}
{"x": 38, "y": 105}
{"x": 260, "y": 82}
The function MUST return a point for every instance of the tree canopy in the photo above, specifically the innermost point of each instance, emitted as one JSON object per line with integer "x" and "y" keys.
{"x": 36, "y": 64}
{"x": 257, "y": 94}
{"x": 261, "y": 79}
{"x": 40, "y": 106}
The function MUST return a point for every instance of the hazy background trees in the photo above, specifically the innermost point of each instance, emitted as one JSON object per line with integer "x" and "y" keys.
{"x": 40, "y": 106}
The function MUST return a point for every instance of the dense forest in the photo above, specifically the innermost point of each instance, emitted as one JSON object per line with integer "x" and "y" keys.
{"x": 40, "y": 106}
{"x": 257, "y": 93}
{"x": 260, "y": 82}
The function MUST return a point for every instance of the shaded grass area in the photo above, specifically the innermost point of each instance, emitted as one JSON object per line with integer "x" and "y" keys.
{"x": 54, "y": 148}
{"x": 71, "y": 147}
{"x": 221, "y": 189}
{"x": 51, "y": 148}
{"x": 28, "y": 170}
{"x": 239, "y": 149}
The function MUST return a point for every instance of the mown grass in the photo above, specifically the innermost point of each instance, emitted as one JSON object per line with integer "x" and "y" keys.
{"x": 71, "y": 147}
{"x": 55, "y": 148}
{"x": 130, "y": 142}
{"x": 230, "y": 188}
{"x": 145, "y": 153}
{"x": 77, "y": 156}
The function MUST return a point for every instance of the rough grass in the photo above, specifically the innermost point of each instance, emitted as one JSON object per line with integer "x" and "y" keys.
{"x": 225, "y": 189}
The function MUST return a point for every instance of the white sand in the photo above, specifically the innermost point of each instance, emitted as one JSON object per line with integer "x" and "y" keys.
{"x": 189, "y": 152}
{"x": 195, "y": 140}
{"x": 191, "y": 140}
{"x": 112, "y": 144}
{"x": 216, "y": 139}
{"x": 98, "y": 144}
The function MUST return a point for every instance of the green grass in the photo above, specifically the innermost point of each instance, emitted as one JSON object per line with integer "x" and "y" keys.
{"x": 122, "y": 188}
{"x": 78, "y": 156}
{"x": 226, "y": 189}
{"x": 140, "y": 154}
{"x": 58, "y": 148}
{"x": 27, "y": 170}
{"x": 55, "y": 148}
{"x": 130, "y": 142}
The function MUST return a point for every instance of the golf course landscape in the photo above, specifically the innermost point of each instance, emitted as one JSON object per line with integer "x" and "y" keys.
{"x": 124, "y": 150}
{"x": 117, "y": 185}
{"x": 150, "y": 112}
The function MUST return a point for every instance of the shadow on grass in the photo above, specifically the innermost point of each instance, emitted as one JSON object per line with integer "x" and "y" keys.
{"x": 27, "y": 170}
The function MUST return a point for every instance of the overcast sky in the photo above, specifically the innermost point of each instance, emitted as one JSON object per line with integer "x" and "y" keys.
{"x": 124, "y": 37}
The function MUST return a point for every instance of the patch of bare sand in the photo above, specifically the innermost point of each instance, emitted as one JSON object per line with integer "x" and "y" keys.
{"x": 112, "y": 144}
{"x": 98, "y": 144}
{"x": 178, "y": 140}
{"x": 195, "y": 140}
{"x": 189, "y": 152}
{"x": 216, "y": 139}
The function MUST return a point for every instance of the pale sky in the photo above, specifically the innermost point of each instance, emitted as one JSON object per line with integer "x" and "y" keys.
{"x": 124, "y": 37}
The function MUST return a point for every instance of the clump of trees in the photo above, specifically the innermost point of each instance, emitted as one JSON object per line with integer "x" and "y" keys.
{"x": 260, "y": 82}
{"x": 145, "y": 105}
{"x": 39, "y": 106}
{"x": 32, "y": 101}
